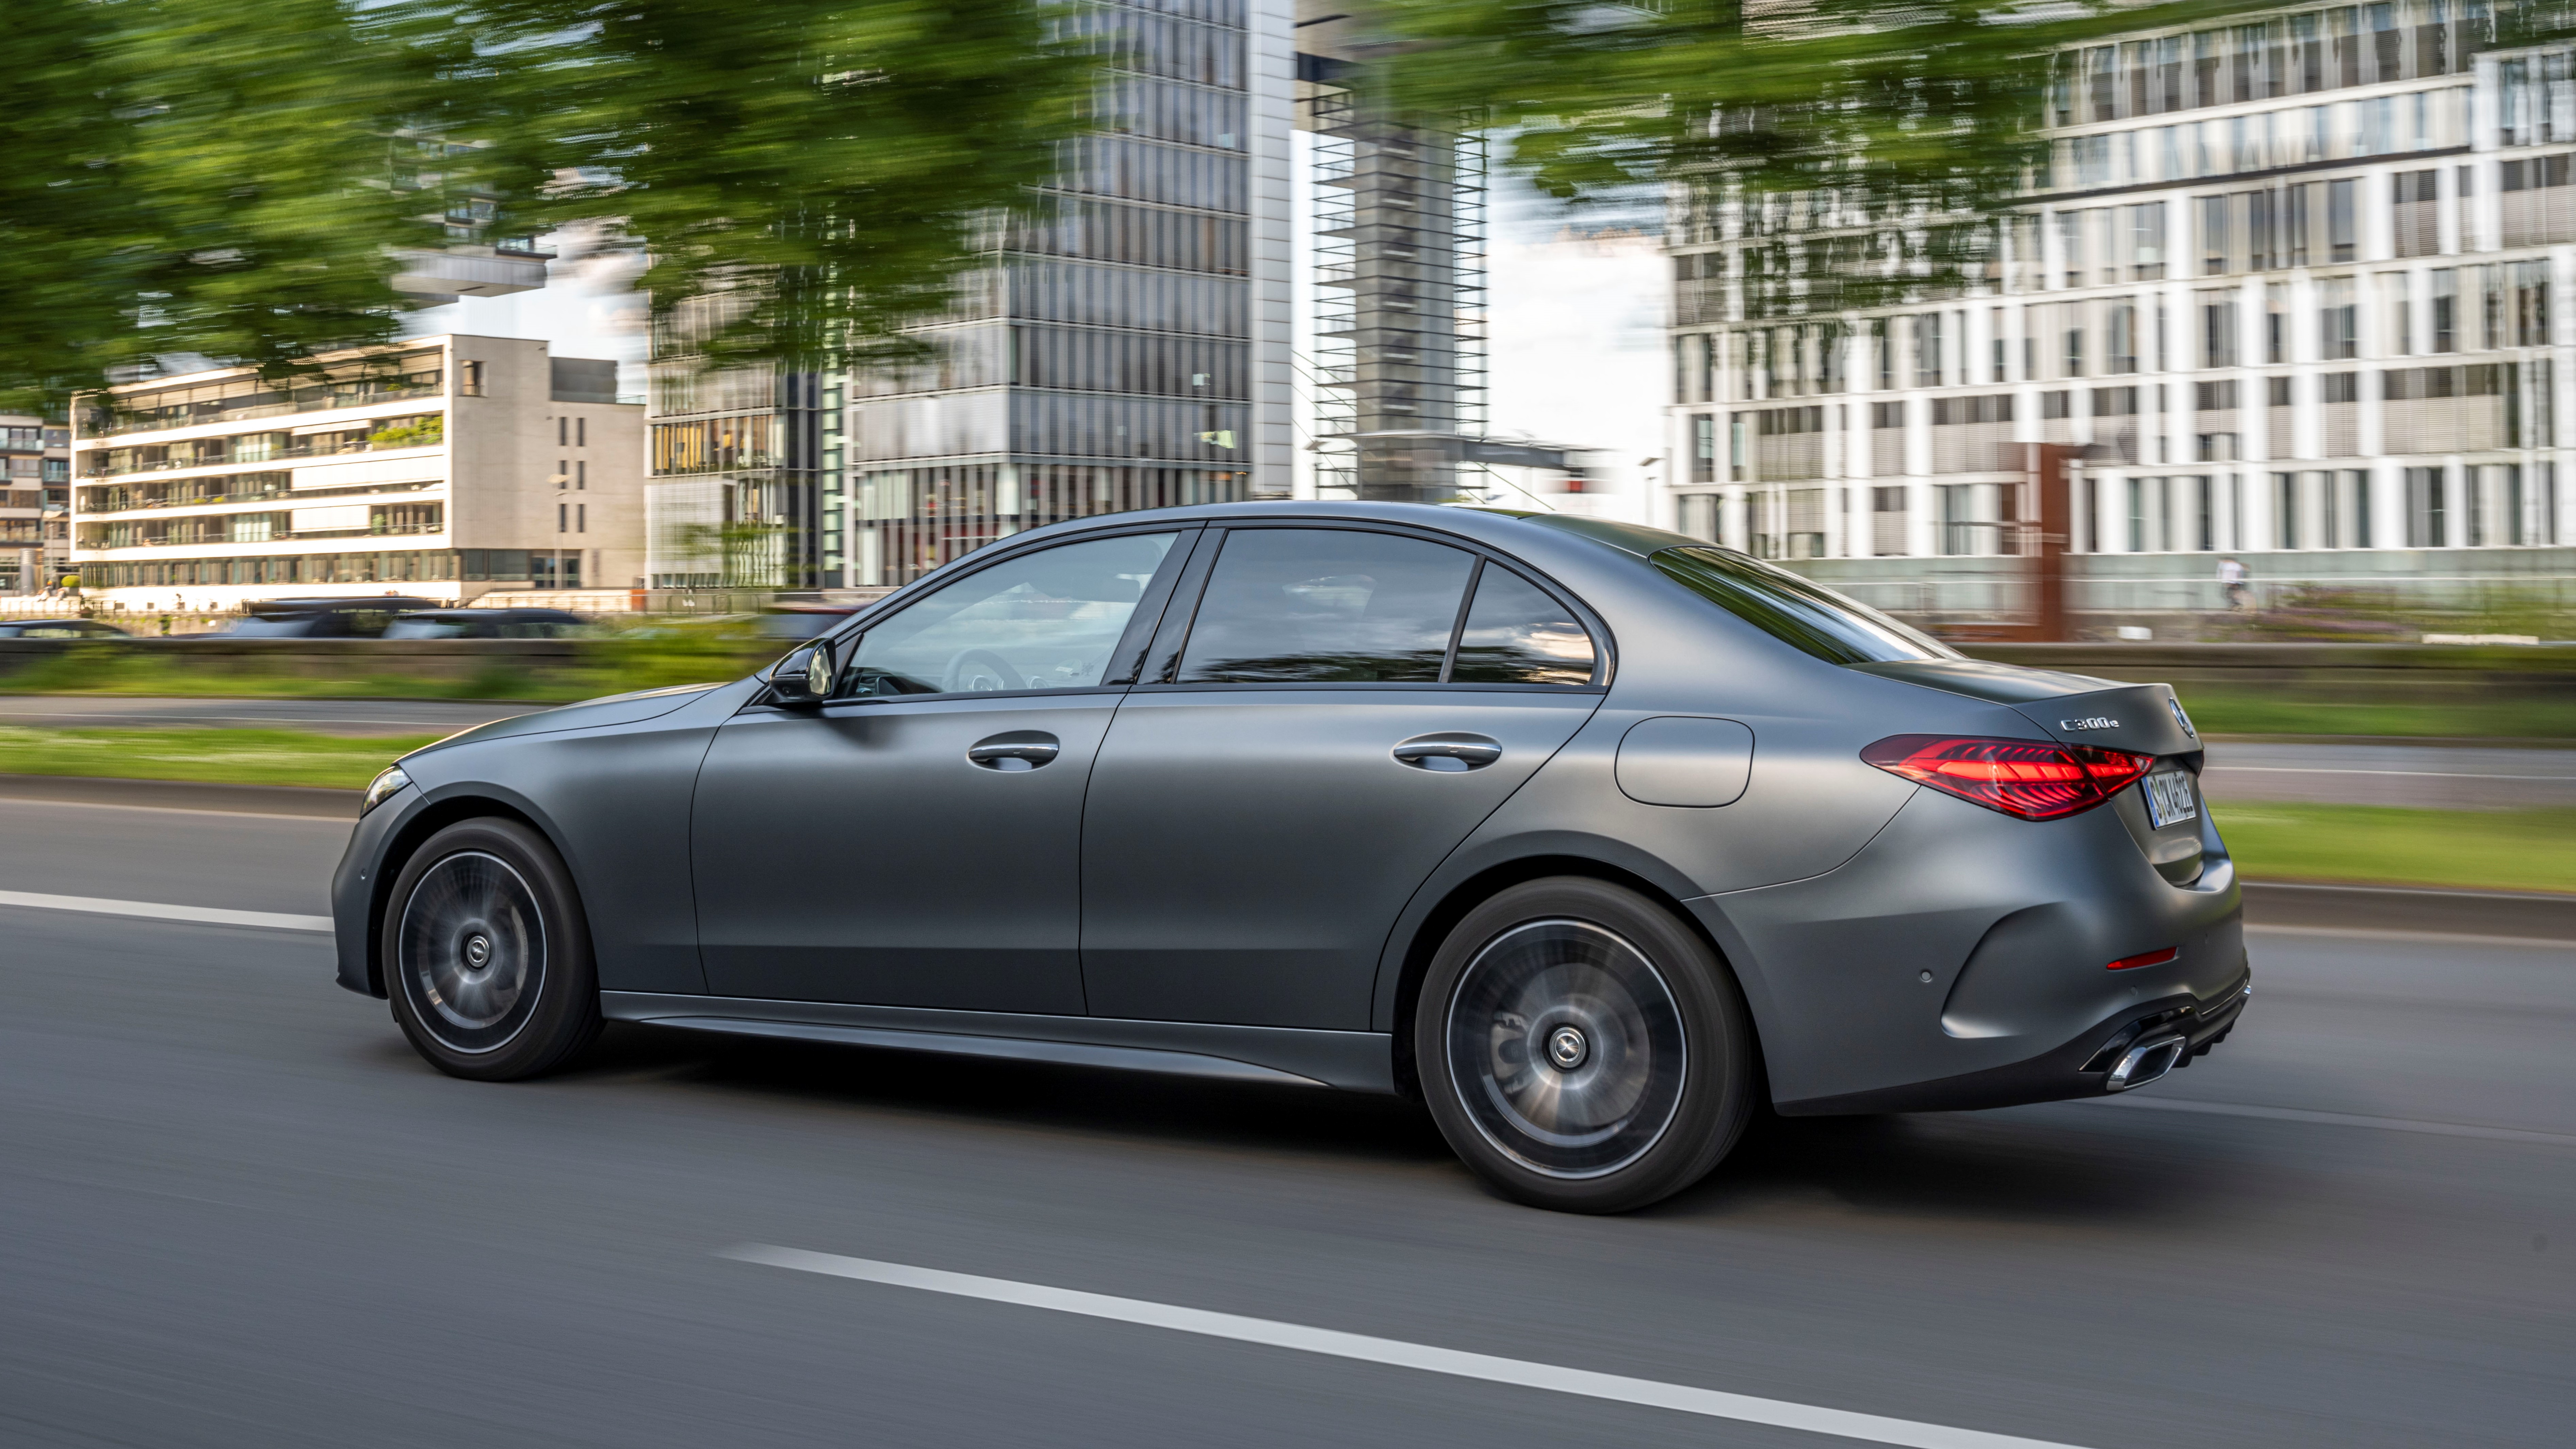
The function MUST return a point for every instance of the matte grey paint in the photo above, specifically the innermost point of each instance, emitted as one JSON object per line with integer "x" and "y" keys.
{"x": 1677, "y": 760}
{"x": 1245, "y": 848}
{"x": 1354, "y": 1060}
{"x": 1252, "y": 858}
{"x": 855, "y": 853}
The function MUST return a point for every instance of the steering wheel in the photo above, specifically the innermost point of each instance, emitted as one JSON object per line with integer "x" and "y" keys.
{"x": 981, "y": 671}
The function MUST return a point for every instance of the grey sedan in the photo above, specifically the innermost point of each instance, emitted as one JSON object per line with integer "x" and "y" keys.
{"x": 1595, "y": 839}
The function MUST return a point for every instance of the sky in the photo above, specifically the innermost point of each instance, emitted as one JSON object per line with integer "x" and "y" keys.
{"x": 1576, "y": 323}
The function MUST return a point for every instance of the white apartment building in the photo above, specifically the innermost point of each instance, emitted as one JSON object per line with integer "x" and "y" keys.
{"x": 442, "y": 467}
{"x": 35, "y": 502}
{"x": 2296, "y": 284}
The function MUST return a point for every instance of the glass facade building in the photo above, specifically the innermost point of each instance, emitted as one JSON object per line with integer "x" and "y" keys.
{"x": 2286, "y": 282}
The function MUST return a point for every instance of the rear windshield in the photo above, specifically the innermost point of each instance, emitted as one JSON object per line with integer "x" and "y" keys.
{"x": 1796, "y": 611}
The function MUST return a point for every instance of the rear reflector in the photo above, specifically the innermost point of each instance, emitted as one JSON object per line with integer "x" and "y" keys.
{"x": 2146, "y": 958}
{"x": 2033, "y": 779}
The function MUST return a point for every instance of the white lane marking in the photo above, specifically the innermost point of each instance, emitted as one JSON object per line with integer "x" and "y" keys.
{"x": 7, "y": 800}
{"x": 2335, "y": 1119}
{"x": 157, "y": 911}
{"x": 1619, "y": 1388}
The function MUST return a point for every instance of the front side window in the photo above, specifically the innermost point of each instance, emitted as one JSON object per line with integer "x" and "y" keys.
{"x": 1795, "y": 610}
{"x": 1045, "y": 620}
{"x": 1326, "y": 606}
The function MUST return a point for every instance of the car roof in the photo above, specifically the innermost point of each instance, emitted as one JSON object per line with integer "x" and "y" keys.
{"x": 1496, "y": 527}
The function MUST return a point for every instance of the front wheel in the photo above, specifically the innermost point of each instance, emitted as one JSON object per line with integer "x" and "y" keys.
{"x": 487, "y": 956}
{"x": 1582, "y": 1049}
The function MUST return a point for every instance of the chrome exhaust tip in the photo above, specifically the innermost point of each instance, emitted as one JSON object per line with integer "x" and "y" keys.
{"x": 2145, "y": 1062}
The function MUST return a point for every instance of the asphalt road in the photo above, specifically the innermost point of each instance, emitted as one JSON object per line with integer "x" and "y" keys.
{"x": 236, "y": 1210}
{"x": 2448, "y": 777}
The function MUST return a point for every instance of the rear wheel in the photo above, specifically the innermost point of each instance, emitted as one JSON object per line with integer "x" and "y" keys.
{"x": 487, "y": 956}
{"x": 1581, "y": 1048}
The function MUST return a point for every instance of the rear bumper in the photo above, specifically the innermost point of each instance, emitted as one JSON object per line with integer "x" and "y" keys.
{"x": 2081, "y": 1067}
{"x": 1965, "y": 958}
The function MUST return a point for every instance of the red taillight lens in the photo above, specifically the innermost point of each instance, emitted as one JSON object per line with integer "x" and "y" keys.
{"x": 2028, "y": 778}
{"x": 2146, "y": 958}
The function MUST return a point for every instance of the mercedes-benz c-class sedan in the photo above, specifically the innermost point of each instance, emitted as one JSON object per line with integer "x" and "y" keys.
{"x": 1596, "y": 839}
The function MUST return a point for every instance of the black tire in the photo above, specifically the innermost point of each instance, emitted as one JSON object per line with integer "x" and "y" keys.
{"x": 1583, "y": 1050}
{"x": 487, "y": 955}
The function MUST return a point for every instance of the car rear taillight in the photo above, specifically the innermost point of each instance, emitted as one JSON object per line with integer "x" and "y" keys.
{"x": 2028, "y": 778}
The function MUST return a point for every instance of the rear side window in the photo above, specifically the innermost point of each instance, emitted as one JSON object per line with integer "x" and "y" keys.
{"x": 1796, "y": 611}
{"x": 1326, "y": 606}
{"x": 1516, "y": 634}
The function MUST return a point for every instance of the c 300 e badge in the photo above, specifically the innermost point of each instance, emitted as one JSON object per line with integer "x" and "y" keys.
{"x": 2096, "y": 722}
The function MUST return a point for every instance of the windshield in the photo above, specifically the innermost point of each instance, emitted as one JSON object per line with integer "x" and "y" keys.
{"x": 1795, "y": 610}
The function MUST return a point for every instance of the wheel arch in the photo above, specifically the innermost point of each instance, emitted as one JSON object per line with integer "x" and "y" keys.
{"x": 432, "y": 817}
{"x": 1428, "y": 922}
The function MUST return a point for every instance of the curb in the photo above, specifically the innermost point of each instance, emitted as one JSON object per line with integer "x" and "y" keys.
{"x": 2527, "y": 915}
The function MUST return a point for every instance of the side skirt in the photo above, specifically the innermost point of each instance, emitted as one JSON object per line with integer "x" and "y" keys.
{"x": 1355, "y": 1061}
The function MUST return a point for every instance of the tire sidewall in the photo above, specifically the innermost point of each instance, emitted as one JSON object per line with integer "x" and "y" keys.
{"x": 1718, "y": 1091}
{"x": 566, "y": 1016}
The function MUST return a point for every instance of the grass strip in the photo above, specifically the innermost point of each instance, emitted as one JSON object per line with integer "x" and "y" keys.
{"x": 2524, "y": 850}
{"x": 2245, "y": 712}
{"x": 231, "y": 757}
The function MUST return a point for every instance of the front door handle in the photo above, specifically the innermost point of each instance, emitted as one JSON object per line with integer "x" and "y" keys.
{"x": 1449, "y": 753}
{"x": 1019, "y": 750}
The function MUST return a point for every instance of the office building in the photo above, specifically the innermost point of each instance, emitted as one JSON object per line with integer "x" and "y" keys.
{"x": 35, "y": 502}
{"x": 1126, "y": 346}
{"x": 443, "y": 467}
{"x": 2294, "y": 286}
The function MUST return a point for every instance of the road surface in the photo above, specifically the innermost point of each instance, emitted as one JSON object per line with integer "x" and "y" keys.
{"x": 239, "y": 1211}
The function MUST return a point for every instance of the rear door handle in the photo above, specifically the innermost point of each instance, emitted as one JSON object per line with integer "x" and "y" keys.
{"x": 1449, "y": 753}
{"x": 1020, "y": 750}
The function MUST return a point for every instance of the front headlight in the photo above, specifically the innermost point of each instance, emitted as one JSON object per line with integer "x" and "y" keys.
{"x": 383, "y": 788}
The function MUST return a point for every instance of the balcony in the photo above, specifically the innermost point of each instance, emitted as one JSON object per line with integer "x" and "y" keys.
{"x": 435, "y": 278}
{"x": 325, "y": 397}
{"x": 302, "y": 451}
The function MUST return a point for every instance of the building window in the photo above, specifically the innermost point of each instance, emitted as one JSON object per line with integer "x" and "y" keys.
{"x": 2427, "y": 517}
{"x": 581, "y": 518}
{"x": 469, "y": 379}
{"x": 2217, "y": 329}
{"x": 2338, "y": 325}
{"x": 1703, "y": 448}
{"x": 581, "y": 473}
{"x": 581, "y": 432}
{"x": 562, "y": 512}
{"x": 2356, "y": 489}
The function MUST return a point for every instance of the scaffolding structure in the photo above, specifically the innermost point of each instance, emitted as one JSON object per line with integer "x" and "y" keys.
{"x": 1400, "y": 304}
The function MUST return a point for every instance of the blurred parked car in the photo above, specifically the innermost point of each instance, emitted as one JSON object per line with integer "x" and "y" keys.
{"x": 366, "y": 617}
{"x": 60, "y": 629}
{"x": 485, "y": 624}
{"x": 798, "y": 622}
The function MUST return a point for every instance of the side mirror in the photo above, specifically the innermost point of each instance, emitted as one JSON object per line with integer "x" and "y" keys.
{"x": 804, "y": 677}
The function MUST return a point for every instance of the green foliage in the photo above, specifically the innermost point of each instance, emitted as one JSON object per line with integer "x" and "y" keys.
{"x": 803, "y": 177}
{"x": 426, "y": 433}
{"x": 233, "y": 180}
{"x": 212, "y": 173}
{"x": 241, "y": 757}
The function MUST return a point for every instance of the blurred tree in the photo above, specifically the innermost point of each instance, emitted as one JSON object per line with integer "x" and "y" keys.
{"x": 819, "y": 170}
{"x": 192, "y": 178}
{"x": 235, "y": 180}
{"x": 1916, "y": 109}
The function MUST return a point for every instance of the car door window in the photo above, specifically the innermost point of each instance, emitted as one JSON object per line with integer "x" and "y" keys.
{"x": 1517, "y": 634}
{"x": 1326, "y": 606}
{"x": 1046, "y": 620}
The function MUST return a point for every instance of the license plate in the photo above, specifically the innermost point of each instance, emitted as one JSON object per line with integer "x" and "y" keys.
{"x": 2170, "y": 799}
